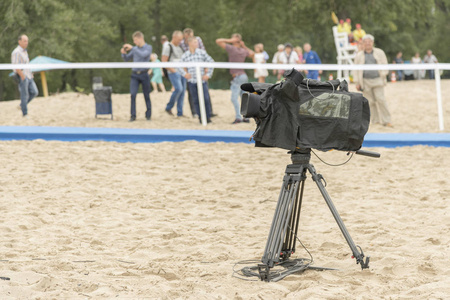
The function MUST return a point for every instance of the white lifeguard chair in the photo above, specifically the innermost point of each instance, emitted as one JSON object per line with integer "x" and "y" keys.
{"x": 345, "y": 52}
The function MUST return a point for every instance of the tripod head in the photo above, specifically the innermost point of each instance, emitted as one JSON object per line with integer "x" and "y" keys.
{"x": 300, "y": 156}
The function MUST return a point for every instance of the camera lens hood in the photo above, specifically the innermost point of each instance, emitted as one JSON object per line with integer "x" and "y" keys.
{"x": 250, "y": 105}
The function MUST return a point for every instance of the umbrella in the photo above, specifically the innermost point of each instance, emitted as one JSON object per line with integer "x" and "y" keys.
{"x": 44, "y": 60}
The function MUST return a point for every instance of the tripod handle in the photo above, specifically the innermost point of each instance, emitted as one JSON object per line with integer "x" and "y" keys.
{"x": 368, "y": 153}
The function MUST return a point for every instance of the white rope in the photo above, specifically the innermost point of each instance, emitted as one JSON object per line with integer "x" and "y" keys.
{"x": 227, "y": 65}
{"x": 223, "y": 65}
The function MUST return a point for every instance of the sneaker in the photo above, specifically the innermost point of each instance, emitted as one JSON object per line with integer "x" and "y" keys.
{"x": 181, "y": 117}
{"x": 148, "y": 118}
{"x": 213, "y": 115}
{"x": 168, "y": 111}
{"x": 237, "y": 121}
{"x": 195, "y": 116}
{"x": 132, "y": 119}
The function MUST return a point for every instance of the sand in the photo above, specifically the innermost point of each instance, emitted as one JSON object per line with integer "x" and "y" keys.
{"x": 169, "y": 221}
{"x": 98, "y": 220}
{"x": 412, "y": 105}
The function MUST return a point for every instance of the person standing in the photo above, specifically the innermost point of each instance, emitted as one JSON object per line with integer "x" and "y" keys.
{"x": 372, "y": 82}
{"x": 164, "y": 40}
{"x": 430, "y": 59}
{"x": 187, "y": 33}
{"x": 289, "y": 56}
{"x": 418, "y": 74}
{"x": 156, "y": 80}
{"x": 194, "y": 54}
{"x": 27, "y": 87}
{"x": 172, "y": 52}
{"x": 299, "y": 52}
{"x": 399, "y": 60}
{"x": 311, "y": 57}
{"x": 276, "y": 60}
{"x": 237, "y": 52}
{"x": 139, "y": 53}
{"x": 258, "y": 58}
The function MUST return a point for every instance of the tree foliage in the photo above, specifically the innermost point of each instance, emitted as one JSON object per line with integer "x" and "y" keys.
{"x": 89, "y": 31}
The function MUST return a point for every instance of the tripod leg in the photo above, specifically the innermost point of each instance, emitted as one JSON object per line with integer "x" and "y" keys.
{"x": 291, "y": 234}
{"x": 279, "y": 223}
{"x": 356, "y": 254}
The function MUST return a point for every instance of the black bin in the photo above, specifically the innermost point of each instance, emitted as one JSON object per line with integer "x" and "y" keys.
{"x": 103, "y": 102}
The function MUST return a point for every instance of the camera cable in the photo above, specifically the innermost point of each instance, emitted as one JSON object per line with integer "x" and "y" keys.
{"x": 328, "y": 164}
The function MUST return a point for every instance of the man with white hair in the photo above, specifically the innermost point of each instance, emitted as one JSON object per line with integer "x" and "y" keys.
{"x": 372, "y": 82}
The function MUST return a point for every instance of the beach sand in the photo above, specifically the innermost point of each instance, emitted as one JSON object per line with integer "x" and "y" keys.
{"x": 412, "y": 105}
{"x": 170, "y": 220}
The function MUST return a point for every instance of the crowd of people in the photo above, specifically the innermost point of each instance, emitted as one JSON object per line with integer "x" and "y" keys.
{"x": 429, "y": 58}
{"x": 184, "y": 46}
{"x": 356, "y": 36}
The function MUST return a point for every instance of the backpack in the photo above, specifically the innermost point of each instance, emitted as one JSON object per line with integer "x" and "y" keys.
{"x": 166, "y": 74}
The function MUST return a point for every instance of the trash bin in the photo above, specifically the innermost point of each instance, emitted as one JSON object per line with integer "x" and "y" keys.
{"x": 103, "y": 102}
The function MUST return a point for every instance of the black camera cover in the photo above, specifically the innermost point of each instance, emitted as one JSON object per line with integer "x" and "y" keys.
{"x": 300, "y": 113}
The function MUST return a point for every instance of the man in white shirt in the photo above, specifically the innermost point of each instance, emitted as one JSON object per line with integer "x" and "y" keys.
{"x": 27, "y": 87}
{"x": 288, "y": 56}
{"x": 172, "y": 52}
{"x": 430, "y": 59}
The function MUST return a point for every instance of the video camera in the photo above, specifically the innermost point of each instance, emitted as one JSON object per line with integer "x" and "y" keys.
{"x": 300, "y": 113}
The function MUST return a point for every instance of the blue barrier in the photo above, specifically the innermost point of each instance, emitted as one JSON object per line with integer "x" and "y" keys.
{"x": 122, "y": 135}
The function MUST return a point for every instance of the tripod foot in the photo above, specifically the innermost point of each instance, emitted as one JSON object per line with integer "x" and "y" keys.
{"x": 264, "y": 272}
{"x": 360, "y": 259}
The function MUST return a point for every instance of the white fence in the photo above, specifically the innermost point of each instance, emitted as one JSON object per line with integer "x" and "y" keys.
{"x": 226, "y": 65}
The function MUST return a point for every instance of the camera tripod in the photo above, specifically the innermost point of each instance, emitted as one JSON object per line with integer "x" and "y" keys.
{"x": 283, "y": 231}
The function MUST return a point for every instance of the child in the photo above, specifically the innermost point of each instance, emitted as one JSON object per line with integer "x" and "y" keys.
{"x": 157, "y": 75}
{"x": 261, "y": 74}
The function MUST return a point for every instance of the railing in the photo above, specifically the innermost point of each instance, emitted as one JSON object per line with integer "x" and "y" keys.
{"x": 225, "y": 65}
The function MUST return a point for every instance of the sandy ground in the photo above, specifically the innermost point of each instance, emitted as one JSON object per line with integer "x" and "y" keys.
{"x": 169, "y": 221}
{"x": 412, "y": 105}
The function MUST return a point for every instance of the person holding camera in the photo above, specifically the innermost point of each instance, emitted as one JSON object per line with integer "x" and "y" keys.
{"x": 27, "y": 87}
{"x": 237, "y": 52}
{"x": 372, "y": 82}
{"x": 139, "y": 53}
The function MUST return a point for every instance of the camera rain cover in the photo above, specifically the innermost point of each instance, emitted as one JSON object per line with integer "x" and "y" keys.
{"x": 300, "y": 113}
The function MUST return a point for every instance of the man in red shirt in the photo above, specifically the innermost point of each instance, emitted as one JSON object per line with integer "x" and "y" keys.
{"x": 237, "y": 52}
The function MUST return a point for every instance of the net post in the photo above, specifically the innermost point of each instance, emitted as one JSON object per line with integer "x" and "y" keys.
{"x": 201, "y": 97}
{"x": 437, "y": 78}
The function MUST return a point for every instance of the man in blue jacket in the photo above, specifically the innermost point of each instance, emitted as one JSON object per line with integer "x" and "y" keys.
{"x": 311, "y": 57}
{"x": 139, "y": 53}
